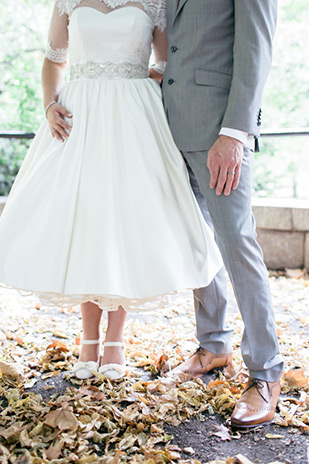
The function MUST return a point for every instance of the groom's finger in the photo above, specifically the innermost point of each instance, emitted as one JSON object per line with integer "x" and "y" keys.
{"x": 229, "y": 183}
{"x": 236, "y": 177}
{"x": 222, "y": 179}
{"x": 214, "y": 174}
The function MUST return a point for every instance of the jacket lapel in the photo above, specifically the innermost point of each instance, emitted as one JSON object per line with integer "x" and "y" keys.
{"x": 178, "y": 7}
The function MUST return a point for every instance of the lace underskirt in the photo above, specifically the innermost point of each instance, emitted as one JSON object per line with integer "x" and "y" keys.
{"x": 105, "y": 302}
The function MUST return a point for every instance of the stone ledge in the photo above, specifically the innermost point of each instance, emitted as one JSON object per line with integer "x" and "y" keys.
{"x": 306, "y": 264}
{"x": 281, "y": 214}
{"x": 282, "y": 249}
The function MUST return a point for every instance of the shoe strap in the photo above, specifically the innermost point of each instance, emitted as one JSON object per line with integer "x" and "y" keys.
{"x": 90, "y": 342}
{"x": 113, "y": 344}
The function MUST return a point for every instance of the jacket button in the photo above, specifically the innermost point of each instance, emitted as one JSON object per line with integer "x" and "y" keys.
{"x": 174, "y": 49}
{"x": 170, "y": 81}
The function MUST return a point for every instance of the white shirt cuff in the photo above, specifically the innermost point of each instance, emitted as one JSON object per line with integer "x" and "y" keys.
{"x": 244, "y": 137}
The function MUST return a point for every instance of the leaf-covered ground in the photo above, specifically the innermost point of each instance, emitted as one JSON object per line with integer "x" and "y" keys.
{"x": 47, "y": 416}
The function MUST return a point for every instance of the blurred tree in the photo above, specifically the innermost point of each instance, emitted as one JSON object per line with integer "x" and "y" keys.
{"x": 23, "y": 35}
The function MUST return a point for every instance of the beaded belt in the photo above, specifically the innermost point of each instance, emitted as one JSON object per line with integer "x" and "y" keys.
{"x": 92, "y": 70}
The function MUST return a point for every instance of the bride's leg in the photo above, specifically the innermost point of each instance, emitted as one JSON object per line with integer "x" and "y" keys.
{"x": 91, "y": 317}
{"x": 114, "y": 333}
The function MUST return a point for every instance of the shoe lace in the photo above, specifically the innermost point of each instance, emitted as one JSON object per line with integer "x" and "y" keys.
{"x": 259, "y": 385}
{"x": 200, "y": 350}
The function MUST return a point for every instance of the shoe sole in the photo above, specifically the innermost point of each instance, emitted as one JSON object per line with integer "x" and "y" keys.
{"x": 252, "y": 426}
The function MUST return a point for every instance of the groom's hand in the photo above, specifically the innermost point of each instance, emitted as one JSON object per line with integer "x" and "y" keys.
{"x": 224, "y": 163}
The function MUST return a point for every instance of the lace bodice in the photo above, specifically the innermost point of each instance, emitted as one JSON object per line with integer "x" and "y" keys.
{"x": 101, "y": 36}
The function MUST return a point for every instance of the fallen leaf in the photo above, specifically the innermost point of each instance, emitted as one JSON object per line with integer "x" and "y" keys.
{"x": 189, "y": 450}
{"x": 223, "y": 433}
{"x": 54, "y": 451}
{"x": 62, "y": 418}
{"x": 243, "y": 460}
{"x": 273, "y": 436}
{"x": 12, "y": 370}
{"x": 295, "y": 378}
{"x": 57, "y": 344}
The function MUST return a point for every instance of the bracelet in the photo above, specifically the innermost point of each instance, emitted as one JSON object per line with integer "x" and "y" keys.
{"x": 48, "y": 106}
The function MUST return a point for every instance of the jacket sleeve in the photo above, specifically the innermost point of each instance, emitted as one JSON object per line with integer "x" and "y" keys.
{"x": 255, "y": 23}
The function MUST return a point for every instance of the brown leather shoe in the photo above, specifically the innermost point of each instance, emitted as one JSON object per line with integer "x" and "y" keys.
{"x": 201, "y": 362}
{"x": 257, "y": 404}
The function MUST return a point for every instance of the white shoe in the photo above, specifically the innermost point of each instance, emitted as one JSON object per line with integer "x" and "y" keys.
{"x": 113, "y": 371}
{"x": 85, "y": 369}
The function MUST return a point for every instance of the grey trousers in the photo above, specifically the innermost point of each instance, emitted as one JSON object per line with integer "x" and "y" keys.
{"x": 233, "y": 223}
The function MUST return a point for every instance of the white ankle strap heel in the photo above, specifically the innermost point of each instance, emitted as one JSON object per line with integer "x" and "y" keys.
{"x": 113, "y": 371}
{"x": 84, "y": 369}
{"x": 114, "y": 344}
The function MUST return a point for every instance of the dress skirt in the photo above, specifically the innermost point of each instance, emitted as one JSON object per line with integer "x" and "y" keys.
{"x": 108, "y": 215}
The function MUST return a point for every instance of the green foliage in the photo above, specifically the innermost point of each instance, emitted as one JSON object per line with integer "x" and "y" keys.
{"x": 11, "y": 156}
{"x": 23, "y": 36}
{"x": 286, "y": 96}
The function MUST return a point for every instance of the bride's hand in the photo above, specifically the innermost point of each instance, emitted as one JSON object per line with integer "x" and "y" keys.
{"x": 58, "y": 126}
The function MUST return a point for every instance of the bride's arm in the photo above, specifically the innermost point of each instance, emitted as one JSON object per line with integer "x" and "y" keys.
{"x": 160, "y": 53}
{"x": 52, "y": 80}
{"x": 53, "y": 72}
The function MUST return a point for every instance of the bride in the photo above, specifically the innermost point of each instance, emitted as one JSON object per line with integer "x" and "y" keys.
{"x": 101, "y": 213}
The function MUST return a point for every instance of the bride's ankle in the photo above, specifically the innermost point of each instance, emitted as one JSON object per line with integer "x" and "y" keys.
{"x": 89, "y": 352}
{"x": 113, "y": 354}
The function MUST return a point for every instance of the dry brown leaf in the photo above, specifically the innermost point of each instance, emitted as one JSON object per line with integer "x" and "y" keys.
{"x": 222, "y": 432}
{"x": 54, "y": 451}
{"x": 62, "y": 418}
{"x": 13, "y": 430}
{"x": 50, "y": 375}
{"x": 12, "y": 370}
{"x": 295, "y": 378}
{"x": 58, "y": 345}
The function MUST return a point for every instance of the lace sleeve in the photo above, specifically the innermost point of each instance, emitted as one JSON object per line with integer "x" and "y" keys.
{"x": 159, "y": 14}
{"x": 57, "y": 46}
{"x": 159, "y": 50}
{"x": 159, "y": 42}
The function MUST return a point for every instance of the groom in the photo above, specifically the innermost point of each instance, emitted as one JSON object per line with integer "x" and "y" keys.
{"x": 219, "y": 56}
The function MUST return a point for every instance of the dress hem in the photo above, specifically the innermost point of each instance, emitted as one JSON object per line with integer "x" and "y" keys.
{"x": 105, "y": 302}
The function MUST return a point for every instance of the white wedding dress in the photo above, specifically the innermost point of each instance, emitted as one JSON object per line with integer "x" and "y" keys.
{"x": 108, "y": 215}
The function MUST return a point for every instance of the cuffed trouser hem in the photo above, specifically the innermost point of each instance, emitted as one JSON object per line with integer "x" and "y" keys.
{"x": 270, "y": 375}
{"x": 217, "y": 347}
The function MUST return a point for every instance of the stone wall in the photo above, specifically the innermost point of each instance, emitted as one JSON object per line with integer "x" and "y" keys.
{"x": 282, "y": 228}
{"x": 283, "y": 231}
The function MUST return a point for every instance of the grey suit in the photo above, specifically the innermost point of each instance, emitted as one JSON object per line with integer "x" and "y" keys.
{"x": 219, "y": 57}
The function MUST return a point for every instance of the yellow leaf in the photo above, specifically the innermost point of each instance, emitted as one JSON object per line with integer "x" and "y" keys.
{"x": 36, "y": 430}
{"x": 127, "y": 442}
{"x": 271, "y": 435}
{"x": 243, "y": 460}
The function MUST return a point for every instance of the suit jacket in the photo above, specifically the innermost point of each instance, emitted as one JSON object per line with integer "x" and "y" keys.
{"x": 219, "y": 57}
